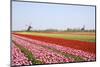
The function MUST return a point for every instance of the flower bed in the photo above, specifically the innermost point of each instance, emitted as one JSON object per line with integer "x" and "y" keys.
{"x": 18, "y": 58}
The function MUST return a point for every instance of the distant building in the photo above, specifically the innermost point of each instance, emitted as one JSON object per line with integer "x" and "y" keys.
{"x": 83, "y": 28}
{"x": 29, "y": 28}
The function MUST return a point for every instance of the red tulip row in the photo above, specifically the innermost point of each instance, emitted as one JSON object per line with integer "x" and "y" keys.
{"x": 18, "y": 58}
{"x": 80, "y": 45}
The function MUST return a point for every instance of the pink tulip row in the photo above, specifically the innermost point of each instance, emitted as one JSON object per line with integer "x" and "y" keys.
{"x": 18, "y": 58}
{"x": 85, "y": 55}
{"x": 41, "y": 53}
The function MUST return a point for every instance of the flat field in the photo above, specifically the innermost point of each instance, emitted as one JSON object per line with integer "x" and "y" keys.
{"x": 52, "y": 47}
{"x": 82, "y": 36}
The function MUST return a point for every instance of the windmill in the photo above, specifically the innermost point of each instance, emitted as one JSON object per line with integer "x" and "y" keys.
{"x": 83, "y": 28}
{"x": 29, "y": 28}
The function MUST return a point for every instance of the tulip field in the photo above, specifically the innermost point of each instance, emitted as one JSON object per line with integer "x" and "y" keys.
{"x": 35, "y": 48}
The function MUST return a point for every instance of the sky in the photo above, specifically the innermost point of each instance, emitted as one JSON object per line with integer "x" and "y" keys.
{"x": 51, "y": 16}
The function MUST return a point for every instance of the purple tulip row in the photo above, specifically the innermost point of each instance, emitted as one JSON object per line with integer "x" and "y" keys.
{"x": 85, "y": 55}
{"x": 18, "y": 58}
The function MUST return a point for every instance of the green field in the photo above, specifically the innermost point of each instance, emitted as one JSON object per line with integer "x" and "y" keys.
{"x": 81, "y": 36}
